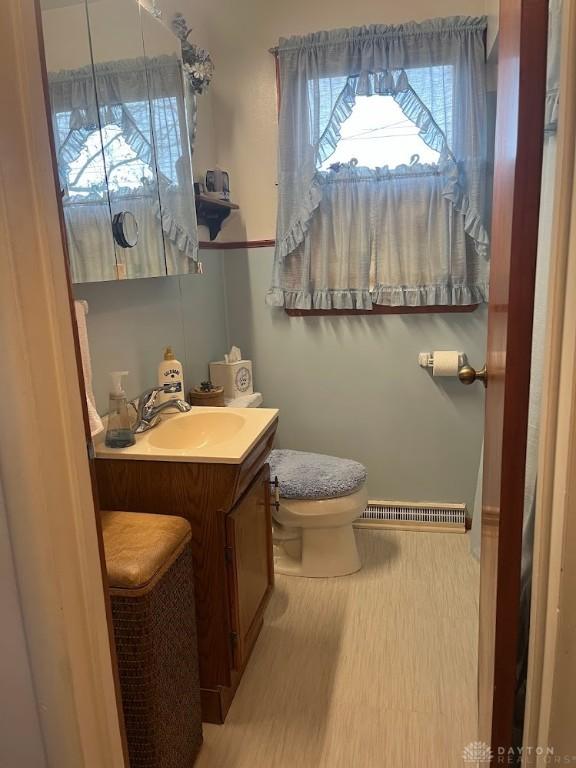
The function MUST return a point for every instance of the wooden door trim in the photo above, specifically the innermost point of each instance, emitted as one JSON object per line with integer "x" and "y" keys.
{"x": 518, "y": 163}
{"x": 45, "y": 470}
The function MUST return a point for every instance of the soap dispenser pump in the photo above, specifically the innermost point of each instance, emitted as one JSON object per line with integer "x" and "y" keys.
{"x": 119, "y": 432}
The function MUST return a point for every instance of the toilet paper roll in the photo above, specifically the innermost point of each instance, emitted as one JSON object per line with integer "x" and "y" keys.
{"x": 446, "y": 363}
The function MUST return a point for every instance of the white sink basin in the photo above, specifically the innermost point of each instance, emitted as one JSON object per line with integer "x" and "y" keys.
{"x": 197, "y": 430}
{"x": 209, "y": 435}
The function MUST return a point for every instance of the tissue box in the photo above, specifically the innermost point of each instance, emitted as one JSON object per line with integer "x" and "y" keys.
{"x": 236, "y": 378}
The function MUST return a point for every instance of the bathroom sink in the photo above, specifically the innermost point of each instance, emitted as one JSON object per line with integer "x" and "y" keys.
{"x": 197, "y": 430}
{"x": 209, "y": 435}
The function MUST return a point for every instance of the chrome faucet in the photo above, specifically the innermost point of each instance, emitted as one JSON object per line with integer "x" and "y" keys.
{"x": 148, "y": 413}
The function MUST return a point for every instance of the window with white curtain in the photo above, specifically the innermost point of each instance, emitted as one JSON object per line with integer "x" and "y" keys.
{"x": 382, "y": 165}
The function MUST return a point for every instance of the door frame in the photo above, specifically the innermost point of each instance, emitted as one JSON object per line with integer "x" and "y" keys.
{"x": 44, "y": 467}
{"x": 552, "y": 651}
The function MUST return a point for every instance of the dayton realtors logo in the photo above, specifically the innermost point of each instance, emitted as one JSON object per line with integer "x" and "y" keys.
{"x": 477, "y": 753}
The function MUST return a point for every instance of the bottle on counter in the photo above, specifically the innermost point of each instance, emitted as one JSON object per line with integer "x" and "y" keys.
{"x": 170, "y": 372}
{"x": 119, "y": 432}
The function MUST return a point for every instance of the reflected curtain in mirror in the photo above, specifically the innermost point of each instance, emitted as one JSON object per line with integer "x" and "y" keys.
{"x": 122, "y": 145}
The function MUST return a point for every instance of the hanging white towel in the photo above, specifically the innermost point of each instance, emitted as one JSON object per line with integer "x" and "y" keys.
{"x": 81, "y": 308}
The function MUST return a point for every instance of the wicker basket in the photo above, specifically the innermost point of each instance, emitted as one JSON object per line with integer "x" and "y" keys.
{"x": 152, "y": 594}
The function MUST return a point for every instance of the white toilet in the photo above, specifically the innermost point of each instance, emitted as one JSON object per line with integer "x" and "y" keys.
{"x": 320, "y": 497}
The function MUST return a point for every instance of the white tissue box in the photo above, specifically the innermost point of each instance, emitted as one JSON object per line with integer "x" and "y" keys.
{"x": 236, "y": 378}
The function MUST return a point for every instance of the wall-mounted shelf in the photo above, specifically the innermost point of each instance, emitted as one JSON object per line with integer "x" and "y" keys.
{"x": 211, "y": 213}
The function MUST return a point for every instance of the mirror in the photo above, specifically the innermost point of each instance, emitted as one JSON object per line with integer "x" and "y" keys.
{"x": 120, "y": 104}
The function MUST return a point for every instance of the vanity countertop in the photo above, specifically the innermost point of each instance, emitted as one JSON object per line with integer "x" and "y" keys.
{"x": 204, "y": 435}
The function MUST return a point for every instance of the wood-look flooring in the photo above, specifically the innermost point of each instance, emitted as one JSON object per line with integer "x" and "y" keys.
{"x": 369, "y": 670}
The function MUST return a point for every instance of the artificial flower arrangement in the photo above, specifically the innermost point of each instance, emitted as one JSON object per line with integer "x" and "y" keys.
{"x": 197, "y": 63}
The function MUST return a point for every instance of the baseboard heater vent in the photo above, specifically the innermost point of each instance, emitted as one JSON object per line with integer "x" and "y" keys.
{"x": 414, "y": 516}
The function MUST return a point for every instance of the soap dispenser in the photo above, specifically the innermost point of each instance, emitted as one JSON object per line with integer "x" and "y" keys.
{"x": 119, "y": 432}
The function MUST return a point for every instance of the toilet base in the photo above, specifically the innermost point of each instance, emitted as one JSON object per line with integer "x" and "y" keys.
{"x": 317, "y": 552}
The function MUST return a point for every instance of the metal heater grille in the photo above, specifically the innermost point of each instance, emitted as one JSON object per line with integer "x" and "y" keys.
{"x": 414, "y": 516}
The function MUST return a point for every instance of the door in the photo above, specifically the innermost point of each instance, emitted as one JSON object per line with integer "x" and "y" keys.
{"x": 518, "y": 162}
{"x": 251, "y": 568}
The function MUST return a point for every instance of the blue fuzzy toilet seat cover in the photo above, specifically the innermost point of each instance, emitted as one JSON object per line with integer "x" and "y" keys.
{"x": 304, "y": 475}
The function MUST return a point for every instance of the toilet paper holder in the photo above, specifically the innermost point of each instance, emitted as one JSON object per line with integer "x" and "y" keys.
{"x": 426, "y": 359}
{"x": 466, "y": 373}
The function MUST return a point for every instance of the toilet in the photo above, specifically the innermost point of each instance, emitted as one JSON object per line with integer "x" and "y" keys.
{"x": 319, "y": 499}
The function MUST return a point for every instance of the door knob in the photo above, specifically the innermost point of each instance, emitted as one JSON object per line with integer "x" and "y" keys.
{"x": 469, "y": 375}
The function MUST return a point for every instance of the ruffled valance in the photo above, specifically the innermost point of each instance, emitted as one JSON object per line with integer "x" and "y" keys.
{"x": 116, "y": 82}
{"x": 439, "y": 85}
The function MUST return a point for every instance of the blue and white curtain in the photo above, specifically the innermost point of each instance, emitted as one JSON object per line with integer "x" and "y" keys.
{"x": 139, "y": 161}
{"x": 412, "y": 235}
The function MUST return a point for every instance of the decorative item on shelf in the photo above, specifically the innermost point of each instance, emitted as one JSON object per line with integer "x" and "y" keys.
{"x": 218, "y": 184}
{"x": 198, "y": 66}
{"x": 207, "y": 394}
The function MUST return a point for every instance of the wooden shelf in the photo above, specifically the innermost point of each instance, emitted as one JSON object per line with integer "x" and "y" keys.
{"x": 211, "y": 213}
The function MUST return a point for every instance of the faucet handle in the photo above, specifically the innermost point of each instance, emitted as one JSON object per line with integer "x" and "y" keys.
{"x": 146, "y": 401}
{"x": 151, "y": 397}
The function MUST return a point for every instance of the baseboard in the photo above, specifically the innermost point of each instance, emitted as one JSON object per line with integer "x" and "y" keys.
{"x": 414, "y": 516}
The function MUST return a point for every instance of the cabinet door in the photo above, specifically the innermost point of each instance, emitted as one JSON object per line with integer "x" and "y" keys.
{"x": 251, "y": 566}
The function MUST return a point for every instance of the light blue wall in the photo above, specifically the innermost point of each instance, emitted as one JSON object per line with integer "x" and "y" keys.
{"x": 351, "y": 386}
{"x": 130, "y": 322}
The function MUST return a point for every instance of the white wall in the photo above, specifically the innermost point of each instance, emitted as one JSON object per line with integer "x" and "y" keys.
{"x": 352, "y": 387}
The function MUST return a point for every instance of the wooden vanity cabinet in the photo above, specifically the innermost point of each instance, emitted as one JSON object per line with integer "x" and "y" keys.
{"x": 228, "y": 507}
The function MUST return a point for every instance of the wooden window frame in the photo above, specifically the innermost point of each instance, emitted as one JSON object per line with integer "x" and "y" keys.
{"x": 447, "y": 309}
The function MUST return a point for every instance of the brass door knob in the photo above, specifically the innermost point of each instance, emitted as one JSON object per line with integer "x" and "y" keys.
{"x": 469, "y": 375}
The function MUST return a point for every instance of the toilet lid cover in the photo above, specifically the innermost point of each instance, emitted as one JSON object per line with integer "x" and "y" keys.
{"x": 315, "y": 476}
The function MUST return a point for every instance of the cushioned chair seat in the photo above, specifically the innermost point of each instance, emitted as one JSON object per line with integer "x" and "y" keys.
{"x": 304, "y": 475}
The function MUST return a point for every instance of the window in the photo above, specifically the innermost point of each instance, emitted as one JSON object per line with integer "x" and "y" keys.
{"x": 379, "y": 134}
{"x": 382, "y": 164}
